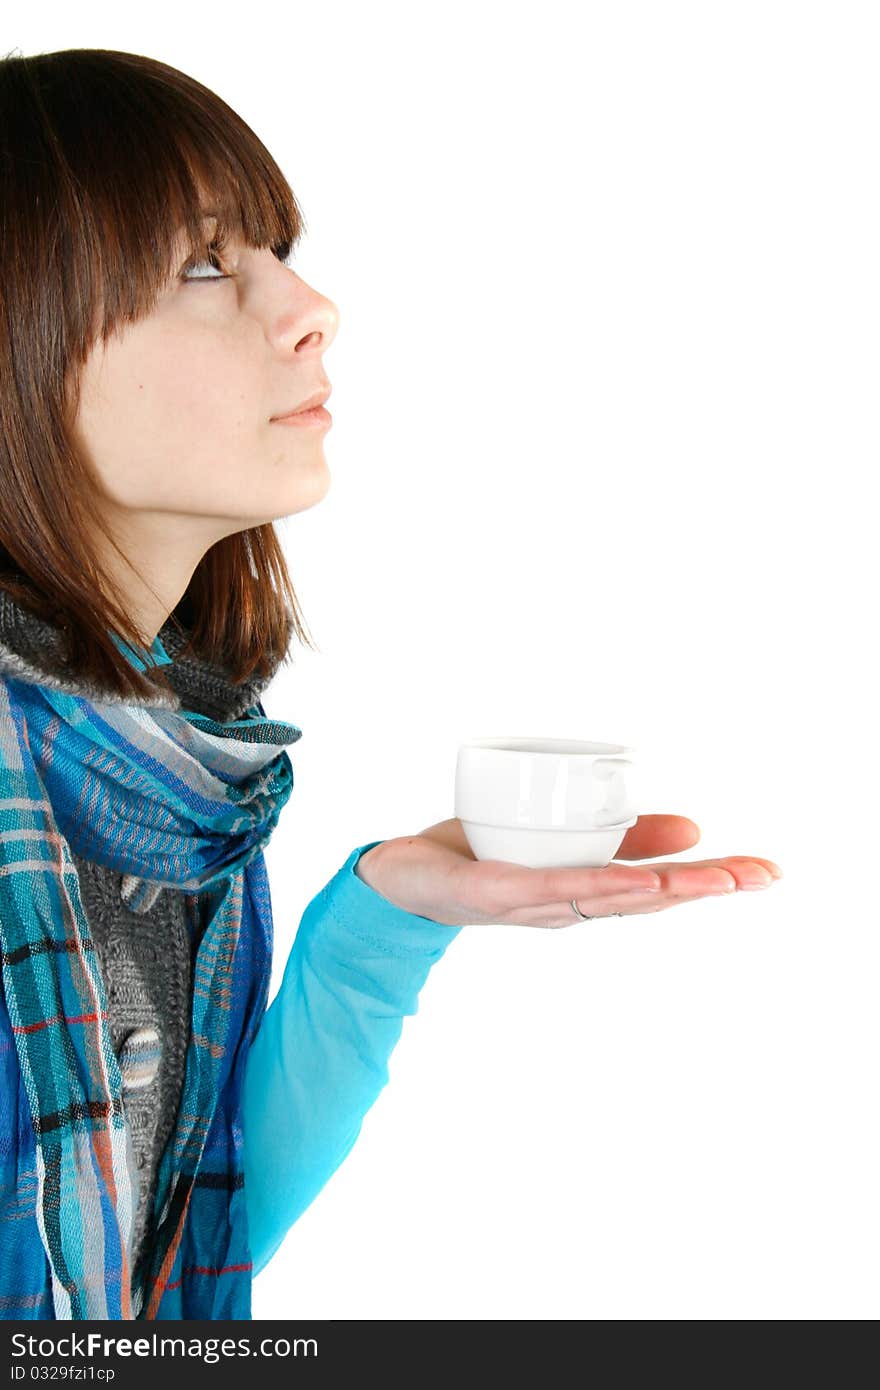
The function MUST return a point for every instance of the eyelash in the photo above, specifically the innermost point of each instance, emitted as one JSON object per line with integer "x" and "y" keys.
{"x": 213, "y": 257}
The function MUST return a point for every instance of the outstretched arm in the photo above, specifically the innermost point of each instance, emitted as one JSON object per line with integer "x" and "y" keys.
{"x": 320, "y": 1057}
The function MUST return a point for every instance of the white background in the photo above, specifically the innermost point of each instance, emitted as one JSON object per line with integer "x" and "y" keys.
{"x": 602, "y": 463}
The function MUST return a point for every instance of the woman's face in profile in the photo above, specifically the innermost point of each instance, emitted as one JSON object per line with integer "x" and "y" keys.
{"x": 176, "y": 412}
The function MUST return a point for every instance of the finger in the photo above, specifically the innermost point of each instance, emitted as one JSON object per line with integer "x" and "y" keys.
{"x": 659, "y": 834}
{"x": 708, "y": 879}
{"x": 561, "y": 914}
{"x": 517, "y": 886}
{"x": 744, "y": 871}
{"x": 698, "y": 878}
{"x": 686, "y": 888}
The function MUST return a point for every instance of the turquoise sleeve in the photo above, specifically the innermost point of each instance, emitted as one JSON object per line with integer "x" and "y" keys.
{"x": 320, "y": 1056}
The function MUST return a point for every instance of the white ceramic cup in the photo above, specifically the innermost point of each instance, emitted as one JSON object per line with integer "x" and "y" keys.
{"x": 544, "y": 802}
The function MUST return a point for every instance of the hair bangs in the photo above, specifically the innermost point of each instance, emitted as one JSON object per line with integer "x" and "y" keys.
{"x": 163, "y": 171}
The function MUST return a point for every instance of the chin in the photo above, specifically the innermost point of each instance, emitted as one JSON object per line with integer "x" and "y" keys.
{"x": 305, "y": 497}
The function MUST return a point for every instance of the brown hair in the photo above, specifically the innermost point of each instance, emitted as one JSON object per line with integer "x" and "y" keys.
{"x": 104, "y": 157}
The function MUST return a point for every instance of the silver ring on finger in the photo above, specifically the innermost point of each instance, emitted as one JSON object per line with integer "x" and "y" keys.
{"x": 583, "y": 916}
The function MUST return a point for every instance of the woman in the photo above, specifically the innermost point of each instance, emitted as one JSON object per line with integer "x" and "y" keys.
{"x": 162, "y": 1128}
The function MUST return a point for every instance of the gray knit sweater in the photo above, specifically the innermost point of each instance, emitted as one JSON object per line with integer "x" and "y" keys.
{"x": 146, "y": 959}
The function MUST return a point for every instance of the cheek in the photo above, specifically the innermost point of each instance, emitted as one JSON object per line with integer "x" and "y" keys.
{"x": 196, "y": 384}
{"x": 162, "y": 425}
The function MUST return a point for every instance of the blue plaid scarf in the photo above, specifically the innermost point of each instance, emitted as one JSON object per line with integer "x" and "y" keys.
{"x": 166, "y": 797}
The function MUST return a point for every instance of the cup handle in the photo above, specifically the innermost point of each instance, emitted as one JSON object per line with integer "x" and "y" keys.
{"x": 608, "y": 772}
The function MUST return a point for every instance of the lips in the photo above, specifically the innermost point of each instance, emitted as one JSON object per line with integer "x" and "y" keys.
{"x": 310, "y": 403}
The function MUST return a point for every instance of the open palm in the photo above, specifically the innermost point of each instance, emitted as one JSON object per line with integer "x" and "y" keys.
{"x": 436, "y": 875}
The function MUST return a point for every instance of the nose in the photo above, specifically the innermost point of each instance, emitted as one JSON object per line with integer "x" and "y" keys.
{"x": 309, "y": 320}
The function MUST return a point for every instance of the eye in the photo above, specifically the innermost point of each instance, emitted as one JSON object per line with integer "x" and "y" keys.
{"x": 212, "y": 263}
{"x": 283, "y": 252}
